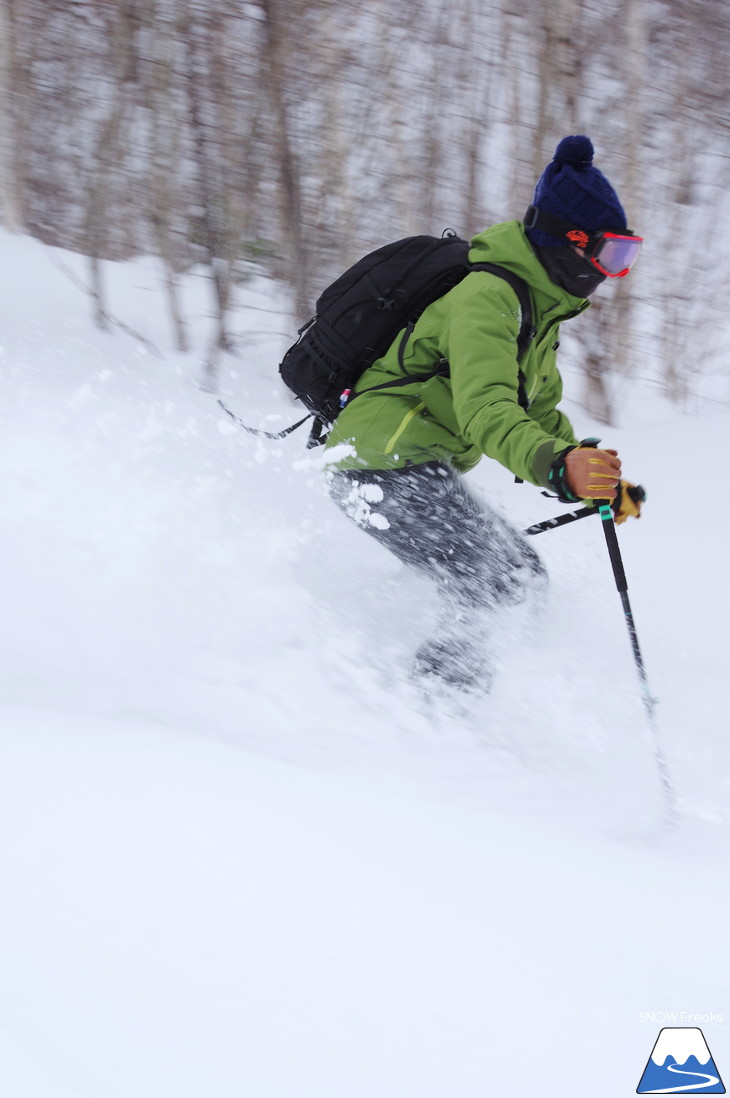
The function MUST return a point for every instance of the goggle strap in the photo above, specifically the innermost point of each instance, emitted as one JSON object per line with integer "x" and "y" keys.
{"x": 556, "y": 226}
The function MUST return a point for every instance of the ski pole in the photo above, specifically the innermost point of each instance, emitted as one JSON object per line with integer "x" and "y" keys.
{"x": 614, "y": 552}
{"x": 560, "y": 520}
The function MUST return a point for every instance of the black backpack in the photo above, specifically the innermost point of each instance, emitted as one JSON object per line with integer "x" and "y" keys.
{"x": 359, "y": 315}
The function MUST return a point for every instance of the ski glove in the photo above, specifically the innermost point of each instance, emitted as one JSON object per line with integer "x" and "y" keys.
{"x": 585, "y": 472}
{"x": 629, "y": 498}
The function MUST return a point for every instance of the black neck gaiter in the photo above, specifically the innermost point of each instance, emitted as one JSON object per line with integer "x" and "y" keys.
{"x": 568, "y": 269}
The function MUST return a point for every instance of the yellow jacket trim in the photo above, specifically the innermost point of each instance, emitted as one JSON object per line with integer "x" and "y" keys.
{"x": 402, "y": 426}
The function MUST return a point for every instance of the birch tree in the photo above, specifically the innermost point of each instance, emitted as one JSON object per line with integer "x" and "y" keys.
{"x": 277, "y": 42}
{"x": 12, "y": 94}
{"x": 122, "y": 26}
{"x": 165, "y": 136}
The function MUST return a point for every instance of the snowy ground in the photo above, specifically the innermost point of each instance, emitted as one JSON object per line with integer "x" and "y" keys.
{"x": 238, "y": 858}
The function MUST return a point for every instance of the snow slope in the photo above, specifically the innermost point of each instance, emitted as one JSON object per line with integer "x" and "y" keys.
{"x": 238, "y": 857}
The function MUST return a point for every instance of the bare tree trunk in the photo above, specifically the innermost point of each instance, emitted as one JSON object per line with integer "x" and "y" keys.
{"x": 631, "y": 191}
{"x": 521, "y": 161}
{"x": 165, "y": 141}
{"x": 396, "y": 117}
{"x": 336, "y": 218}
{"x": 201, "y": 40}
{"x": 109, "y": 146}
{"x": 290, "y": 187}
{"x": 674, "y": 288}
{"x": 560, "y": 75}
{"x": 598, "y": 399}
{"x": 10, "y": 184}
{"x": 485, "y": 81}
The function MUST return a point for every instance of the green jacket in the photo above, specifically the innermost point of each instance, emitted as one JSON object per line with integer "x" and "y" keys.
{"x": 474, "y": 411}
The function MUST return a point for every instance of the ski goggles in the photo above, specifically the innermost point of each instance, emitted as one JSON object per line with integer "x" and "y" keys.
{"x": 613, "y": 254}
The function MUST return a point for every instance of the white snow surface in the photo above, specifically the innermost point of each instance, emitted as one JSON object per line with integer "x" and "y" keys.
{"x": 239, "y": 856}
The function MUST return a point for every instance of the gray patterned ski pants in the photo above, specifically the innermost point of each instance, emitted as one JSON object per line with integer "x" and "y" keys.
{"x": 427, "y": 517}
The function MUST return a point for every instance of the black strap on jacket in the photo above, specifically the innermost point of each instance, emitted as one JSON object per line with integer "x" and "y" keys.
{"x": 527, "y": 330}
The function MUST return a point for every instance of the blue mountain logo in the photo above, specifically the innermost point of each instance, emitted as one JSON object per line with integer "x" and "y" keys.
{"x": 680, "y": 1063}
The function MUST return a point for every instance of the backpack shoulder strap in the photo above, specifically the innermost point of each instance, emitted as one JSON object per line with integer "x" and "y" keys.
{"x": 527, "y": 330}
{"x": 520, "y": 287}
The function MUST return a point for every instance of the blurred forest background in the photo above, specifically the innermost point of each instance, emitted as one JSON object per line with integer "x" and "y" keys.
{"x": 290, "y": 136}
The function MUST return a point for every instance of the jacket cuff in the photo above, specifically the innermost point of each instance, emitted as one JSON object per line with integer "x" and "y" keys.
{"x": 544, "y": 457}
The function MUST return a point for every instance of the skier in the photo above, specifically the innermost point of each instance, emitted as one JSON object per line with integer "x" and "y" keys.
{"x": 397, "y": 454}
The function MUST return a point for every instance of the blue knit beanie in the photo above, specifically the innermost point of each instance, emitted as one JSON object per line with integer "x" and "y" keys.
{"x": 571, "y": 188}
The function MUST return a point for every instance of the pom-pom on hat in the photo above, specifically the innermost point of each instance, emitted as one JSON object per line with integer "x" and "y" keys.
{"x": 571, "y": 188}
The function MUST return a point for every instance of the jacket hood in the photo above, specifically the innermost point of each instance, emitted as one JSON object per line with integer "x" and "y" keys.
{"x": 507, "y": 245}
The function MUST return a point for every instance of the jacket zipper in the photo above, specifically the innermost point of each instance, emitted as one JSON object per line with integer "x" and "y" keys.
{"x": 402, "y": 426}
